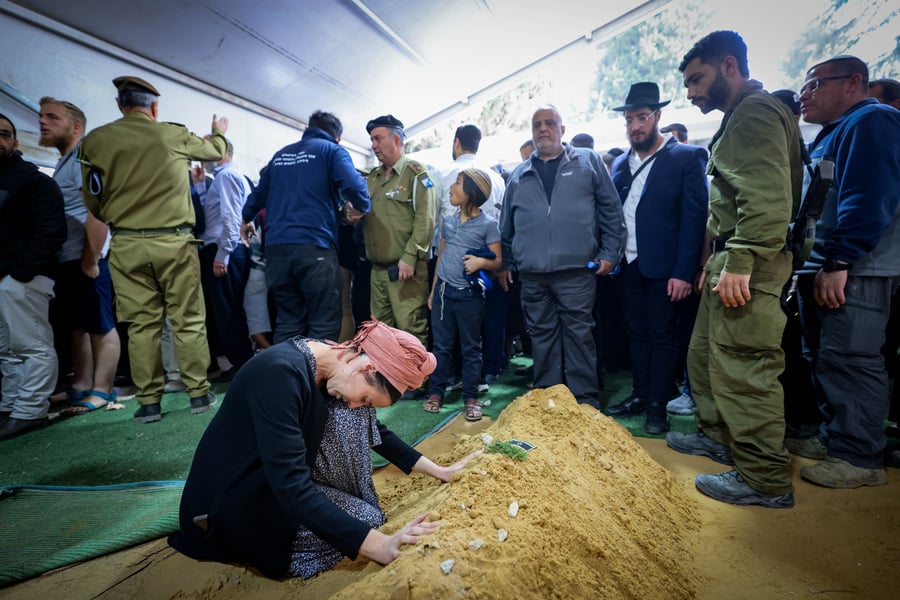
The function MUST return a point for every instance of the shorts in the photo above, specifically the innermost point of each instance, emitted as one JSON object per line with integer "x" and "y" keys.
{"x": 85, "y": 303}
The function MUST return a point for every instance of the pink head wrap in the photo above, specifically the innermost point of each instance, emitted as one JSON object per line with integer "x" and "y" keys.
{"x": 397, "y": 355}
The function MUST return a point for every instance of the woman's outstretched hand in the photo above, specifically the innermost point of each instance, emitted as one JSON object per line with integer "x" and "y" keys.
{"x": 447, "y": 473}
{"x": 384, "y": 548}
{"x": 428, "y": 467}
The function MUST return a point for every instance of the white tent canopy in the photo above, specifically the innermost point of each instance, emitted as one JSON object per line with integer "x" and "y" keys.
{"x": 269, "y": 64}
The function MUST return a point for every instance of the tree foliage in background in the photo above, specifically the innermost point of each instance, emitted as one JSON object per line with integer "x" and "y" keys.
{"x": 509, "y": 111}
{"x": 649, "y": 51}
{"x": 859, "y": 27}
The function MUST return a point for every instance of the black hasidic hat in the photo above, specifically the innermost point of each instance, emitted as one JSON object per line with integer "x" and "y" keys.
{"x": 645, "y": 93}
{"x": 389, "y": 121}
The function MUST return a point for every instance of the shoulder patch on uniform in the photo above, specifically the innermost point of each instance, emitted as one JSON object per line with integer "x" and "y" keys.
{"x": 417, "y": 168}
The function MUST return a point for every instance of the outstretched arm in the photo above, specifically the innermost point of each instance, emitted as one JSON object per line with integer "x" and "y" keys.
{"x": 428, "y": 467}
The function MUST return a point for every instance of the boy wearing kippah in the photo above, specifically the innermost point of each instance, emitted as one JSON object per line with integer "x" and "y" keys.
{"x": 470, "y": 242}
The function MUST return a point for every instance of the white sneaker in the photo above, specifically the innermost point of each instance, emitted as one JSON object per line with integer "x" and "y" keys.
{"x": 682, "y": 405}
{"x": 483, "y": 387}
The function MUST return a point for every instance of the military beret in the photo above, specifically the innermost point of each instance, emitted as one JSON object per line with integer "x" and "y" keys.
{"x": 389, "y": 121}
{"x": 130, "y": 82}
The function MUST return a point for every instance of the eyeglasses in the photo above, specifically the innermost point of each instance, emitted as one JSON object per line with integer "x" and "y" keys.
{"x": 641, "y": 119}
{"x": 813, "y": 84}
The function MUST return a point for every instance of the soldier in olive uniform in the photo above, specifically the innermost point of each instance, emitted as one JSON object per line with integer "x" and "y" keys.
{"x": 735, "y": 354}
{"x": 135, "y": 181}
{"x": 398, "y": 231}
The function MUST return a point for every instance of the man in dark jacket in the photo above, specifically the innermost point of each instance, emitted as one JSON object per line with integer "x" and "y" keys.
{"x": 662, "y": 185}
{"x": 32, "y": 230}
{"x": 854, "y": 268}
{"x": 303, "y": 190}
{"x": 560, "y": 213}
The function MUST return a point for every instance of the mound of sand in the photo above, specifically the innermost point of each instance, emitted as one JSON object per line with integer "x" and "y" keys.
{"x": 597, "y": 517}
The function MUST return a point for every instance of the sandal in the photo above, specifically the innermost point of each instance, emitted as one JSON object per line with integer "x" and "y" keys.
{"x": 87, "y": 405}
{"x": 473, "y": 410}
{"x": 69, "y": 396}
{"x": 433, "y": 404}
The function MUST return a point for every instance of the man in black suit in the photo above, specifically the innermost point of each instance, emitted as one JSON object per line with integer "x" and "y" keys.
{"x": 662, "y": 185}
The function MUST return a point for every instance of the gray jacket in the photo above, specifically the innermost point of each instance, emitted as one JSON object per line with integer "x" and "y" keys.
{"x": 584, "y": 221}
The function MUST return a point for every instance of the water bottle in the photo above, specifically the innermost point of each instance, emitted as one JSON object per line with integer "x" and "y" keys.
{"x": 593, "y": 265}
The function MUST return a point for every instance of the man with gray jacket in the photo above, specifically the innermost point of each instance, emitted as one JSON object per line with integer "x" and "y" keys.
{"x": 562, "y": 225}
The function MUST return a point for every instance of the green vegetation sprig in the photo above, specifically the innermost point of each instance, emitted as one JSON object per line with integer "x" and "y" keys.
{"x": 510, "y": 450}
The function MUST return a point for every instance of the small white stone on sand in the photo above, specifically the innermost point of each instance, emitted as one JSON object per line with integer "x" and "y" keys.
{"x": 476, "y": 544}
{"x": 502, "y": 534}
{"x": 447, "y": 566}
{"x": 551, "y": 403}
{"x": 486, "y": 439}
{"x": 513, "y": 509}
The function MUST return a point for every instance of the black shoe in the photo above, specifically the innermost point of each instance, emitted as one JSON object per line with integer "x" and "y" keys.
{"x": 631, "y": 406}
{"x": 657, "y": 420}
{"x": 416, "y": 394}
{"x": 4, "y": 416}
{"x": 201, "y": 404}
{"x": 148, "y": 413}
{"x": 12, "y": 427}
{"x": 656, "y": 427}
{"x": 224, "y": 376}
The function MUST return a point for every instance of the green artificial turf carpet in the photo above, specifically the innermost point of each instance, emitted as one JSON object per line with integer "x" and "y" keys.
{"x": 97, "y": 483}
{"x": 46, "y": 528}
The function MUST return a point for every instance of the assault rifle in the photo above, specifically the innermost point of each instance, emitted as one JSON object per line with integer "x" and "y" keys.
{"x": 802, "y": 233}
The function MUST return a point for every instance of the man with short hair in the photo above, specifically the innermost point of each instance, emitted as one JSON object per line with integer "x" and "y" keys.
{"x": 526, "y": 149}
{"x": 398, "y": 232}
{"x": 135, "y": 180}
{"x": 846, "y": 284}
{"x": 678, "y": 130}
{"x": 886, "y": 91}
{"x": 560, "y": 213}
{"x": 32, "y": 230}
{"x": 662, "y": 185}
{"x": 735, "y": 354}
{"x": 225, "y": 262}
{"x": 83, "y": 284}
{"x": 303, "y": 190}
{"x": 583, "y": 140}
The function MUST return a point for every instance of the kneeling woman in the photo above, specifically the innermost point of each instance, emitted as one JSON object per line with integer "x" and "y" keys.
{"x": 282, "y": 477}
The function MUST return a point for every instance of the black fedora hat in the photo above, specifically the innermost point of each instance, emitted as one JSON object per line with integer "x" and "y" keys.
{"x": 645, "y": 93}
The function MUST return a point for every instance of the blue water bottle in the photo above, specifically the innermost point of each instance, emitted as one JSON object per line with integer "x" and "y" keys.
{"x": 593, "y": 265}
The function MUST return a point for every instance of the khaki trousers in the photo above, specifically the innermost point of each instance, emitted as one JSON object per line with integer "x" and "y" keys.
{"x": 156, "y": 274}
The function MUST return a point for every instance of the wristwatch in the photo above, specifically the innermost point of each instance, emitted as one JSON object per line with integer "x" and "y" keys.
{"x": 830, "y": 266}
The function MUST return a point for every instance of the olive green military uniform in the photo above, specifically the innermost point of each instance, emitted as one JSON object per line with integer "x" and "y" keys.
{"x": 400, "y": 227}
{"x": 735, "y": 355}
{"x": 136, "y": 179}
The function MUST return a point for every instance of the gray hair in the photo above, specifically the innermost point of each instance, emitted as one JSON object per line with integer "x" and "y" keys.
{"x": 136, "y": 99}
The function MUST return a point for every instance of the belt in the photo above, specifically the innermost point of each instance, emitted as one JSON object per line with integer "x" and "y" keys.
{"x": 185, "y": 228}
{"x": 453, "y": 287}
{"x": 717, "y": 245}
